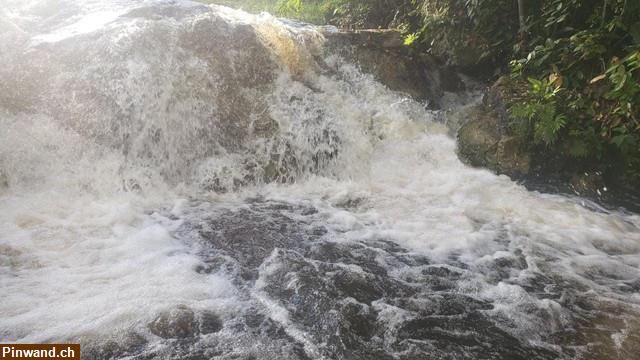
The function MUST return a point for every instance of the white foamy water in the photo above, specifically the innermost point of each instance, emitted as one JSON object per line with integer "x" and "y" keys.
{"x": 116, "y": 116}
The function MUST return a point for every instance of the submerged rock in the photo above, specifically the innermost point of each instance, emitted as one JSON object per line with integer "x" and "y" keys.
{"x": 209, "y": 322}
{"x": 122, "y": 345}
{"x": 178, "y": 322}
{"x": 181, "y": 322}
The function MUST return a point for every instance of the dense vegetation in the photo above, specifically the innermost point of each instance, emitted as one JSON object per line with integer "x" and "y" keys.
{"x": 575, "y": 71}
{"x": 574, "y": 65}
{"x": 582, "y": 64}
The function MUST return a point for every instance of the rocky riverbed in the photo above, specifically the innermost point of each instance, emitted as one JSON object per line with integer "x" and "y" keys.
{"x": 183, "y": 181}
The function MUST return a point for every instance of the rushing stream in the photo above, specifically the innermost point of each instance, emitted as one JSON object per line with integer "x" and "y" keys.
{"x": 181, "y": 181}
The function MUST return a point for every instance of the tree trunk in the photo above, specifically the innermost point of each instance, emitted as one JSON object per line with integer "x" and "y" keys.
{"x": 522, "y": 16}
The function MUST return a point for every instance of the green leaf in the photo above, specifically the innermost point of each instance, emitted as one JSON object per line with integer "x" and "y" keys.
{"x": 410, "y": 39}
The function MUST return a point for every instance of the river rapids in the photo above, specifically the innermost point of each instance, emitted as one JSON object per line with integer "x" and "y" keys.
{"x": 182, "y": 181}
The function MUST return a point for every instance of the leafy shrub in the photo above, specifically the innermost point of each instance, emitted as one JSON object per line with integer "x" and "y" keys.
{"x": 592, "y": 54}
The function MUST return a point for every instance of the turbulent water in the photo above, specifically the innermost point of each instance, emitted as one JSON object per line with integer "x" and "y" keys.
{"x": 193, "y": 182}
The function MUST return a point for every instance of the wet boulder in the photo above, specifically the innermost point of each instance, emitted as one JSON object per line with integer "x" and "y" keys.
{"x": 485, "y": 140}
{"x": 179, "y": 322}
{"x": 182, "y": 322}
{"x": 481, "y": 144}
{"x": 119, "y": 346}
{"x": 382, "y": 53}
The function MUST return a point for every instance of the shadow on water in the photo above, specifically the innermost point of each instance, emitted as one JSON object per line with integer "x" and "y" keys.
{"x": 617, "y": 199}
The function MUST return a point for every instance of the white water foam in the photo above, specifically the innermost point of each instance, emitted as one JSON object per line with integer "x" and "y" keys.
{"x": 85, "y": 250}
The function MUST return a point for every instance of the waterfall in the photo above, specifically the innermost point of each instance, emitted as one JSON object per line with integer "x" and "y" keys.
{"x": 170, "y": 165}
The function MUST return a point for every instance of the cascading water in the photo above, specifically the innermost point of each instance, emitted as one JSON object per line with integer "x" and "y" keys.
{"x": 186, "y": 181}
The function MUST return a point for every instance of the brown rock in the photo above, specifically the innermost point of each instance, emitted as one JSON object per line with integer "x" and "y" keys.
{"x": 478, "y": 139}
{"x": 382, "y": 54}
{"x": 482, "y": 143}
{"x": 511, "y": 158}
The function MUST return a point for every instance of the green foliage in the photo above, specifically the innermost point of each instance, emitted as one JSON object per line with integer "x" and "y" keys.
{"x": 464, "y": 29}
{"x": 538, "y": 117}
{"x": 592, "y": 52}
{"x": 409, "y": 39}
{"x": 290, "y": 6}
